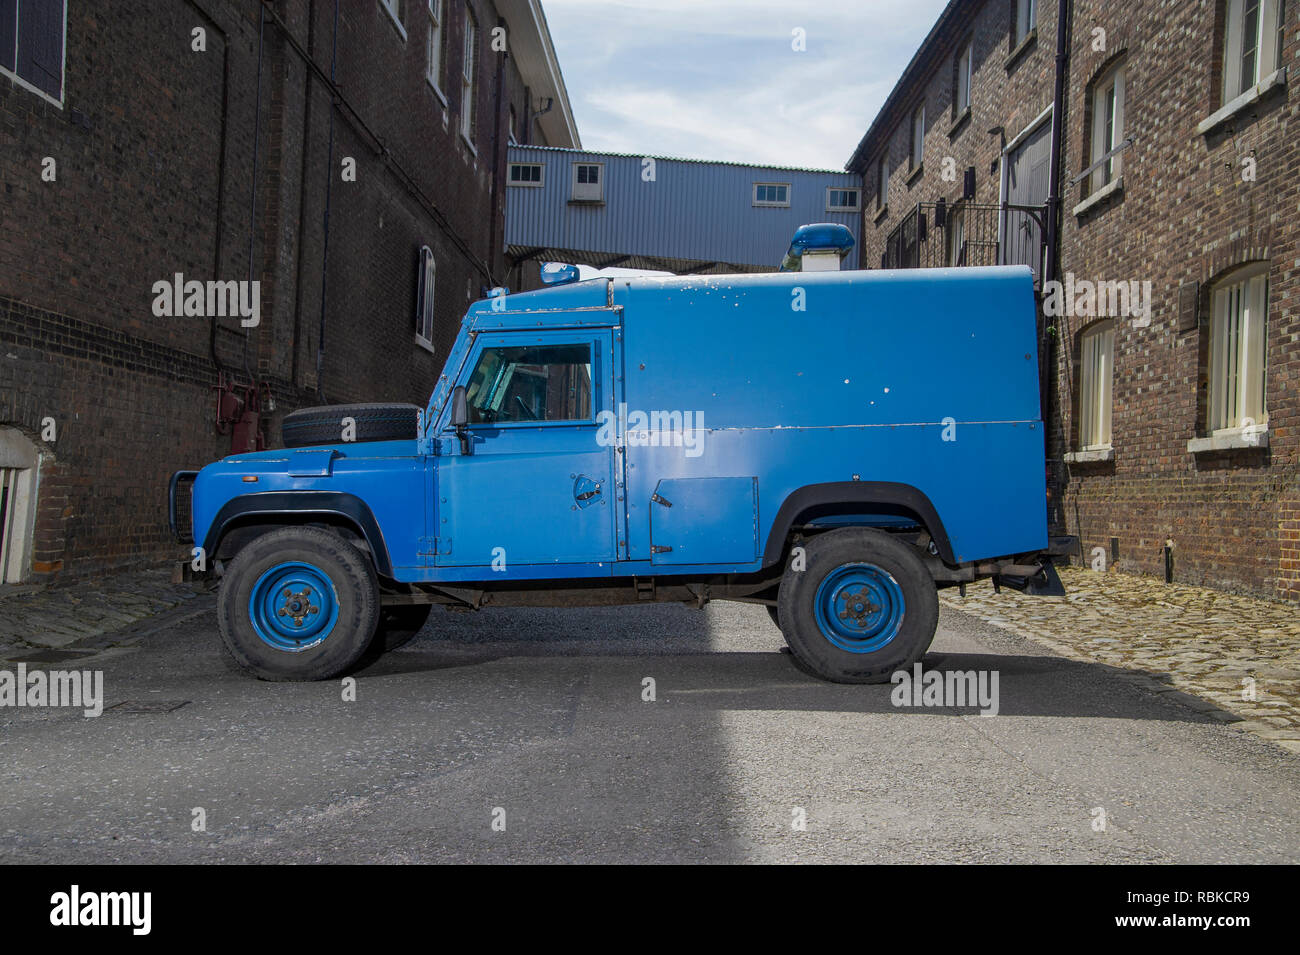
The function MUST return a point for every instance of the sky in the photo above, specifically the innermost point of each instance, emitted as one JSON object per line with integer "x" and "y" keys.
{"x": 719, "y": 79}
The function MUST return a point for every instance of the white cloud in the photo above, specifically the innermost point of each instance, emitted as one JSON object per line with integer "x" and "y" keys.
{"x": 719, "y": 80}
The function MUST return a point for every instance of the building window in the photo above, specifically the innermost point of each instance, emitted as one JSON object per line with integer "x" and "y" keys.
{"x": 20, "y": 461}
{"x": 1237, "y": 370}
{"x": 1097, "y": 363}
{"x": 396, "y": 9}
{"x": 470, "y": 64}
{"x": 424, "y": 299}
{"x": 1107, "y": 125}
{"x": 588, "y": 182}
{"x": 841, "y": 200}
{"x": 510, "y": 130}
{"x": 433, "y": 65}
{"x": 918, "y": 136}
{"x": 1252, "y": 47}
{"x": 1026, "y": 20}
{"x": 955, "y": 239}
{"x": 771, "y": 194}
{"x": 965, "y": 73}
{"x": 32, "y": 38}
{"x": 527, "y": 174}
{"x": 882, "y": 182}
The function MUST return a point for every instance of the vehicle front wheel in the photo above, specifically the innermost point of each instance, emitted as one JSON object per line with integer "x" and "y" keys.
{"x": 299, "y": 603}
{"x": 863, "y": 607}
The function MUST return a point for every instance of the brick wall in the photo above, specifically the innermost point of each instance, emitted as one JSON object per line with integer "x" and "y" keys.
{"x": 154, "y": 146}
{"x": 1185, "y": 215}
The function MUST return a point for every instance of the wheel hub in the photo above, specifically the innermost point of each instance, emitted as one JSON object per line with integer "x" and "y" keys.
{"x": 293, "y": 606}
{"x": 859, "y": 607}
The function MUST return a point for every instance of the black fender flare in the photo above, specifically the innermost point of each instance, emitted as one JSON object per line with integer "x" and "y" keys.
{"x": 298, "y": 504}
{"x": 855, "y": 492}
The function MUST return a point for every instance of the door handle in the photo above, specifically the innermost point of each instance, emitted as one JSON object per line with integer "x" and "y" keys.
{"x": 585, "y": 490}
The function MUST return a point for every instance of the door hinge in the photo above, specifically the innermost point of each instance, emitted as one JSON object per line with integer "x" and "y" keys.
{"x": 429, "y": 546}
{"x": 656, "y": 499}
{"x": 660, "y": 549}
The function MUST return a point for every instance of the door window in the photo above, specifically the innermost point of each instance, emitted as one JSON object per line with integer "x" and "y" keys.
{"x": 531, "y": 383}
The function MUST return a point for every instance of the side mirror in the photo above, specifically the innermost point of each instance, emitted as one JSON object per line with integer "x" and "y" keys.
{"x": 460, "y": 416}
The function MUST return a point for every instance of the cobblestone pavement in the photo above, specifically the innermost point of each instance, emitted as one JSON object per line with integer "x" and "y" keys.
{"x": 1174, "y": 637}
{"x": 38, "y": 617}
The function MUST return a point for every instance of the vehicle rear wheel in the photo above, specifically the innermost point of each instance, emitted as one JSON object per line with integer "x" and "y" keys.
{"x": 299, "y": 603}
{"x": 399, "y": 625}
{"x": 863, "y": 607}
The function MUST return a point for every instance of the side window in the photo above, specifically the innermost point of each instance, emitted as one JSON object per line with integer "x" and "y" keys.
{"x": 531, "y": 383}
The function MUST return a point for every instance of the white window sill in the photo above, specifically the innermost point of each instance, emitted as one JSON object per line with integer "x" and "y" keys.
{"x": 1252, "y": 95}
{"x": 465, "y": 139}
{"x": 1100, "y": 196}
{"x": 1230, "y": 439}
{"x": 424, "y": 343}
{"x": 1090, "y": 455}
{"x": 436, "y": 92}
{"x": 392, "y": 15}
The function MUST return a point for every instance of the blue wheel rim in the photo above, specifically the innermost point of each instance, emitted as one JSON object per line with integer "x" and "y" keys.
{"x": 293, "y": 606}
{"x": 859, "y": 607}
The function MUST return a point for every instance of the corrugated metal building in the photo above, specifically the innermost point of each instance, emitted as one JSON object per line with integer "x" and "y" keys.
{"x": 654, "y": 212}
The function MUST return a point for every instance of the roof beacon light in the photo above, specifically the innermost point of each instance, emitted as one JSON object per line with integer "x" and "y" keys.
{"x": 557, "y": 273}
{"x": 819, "y": 247}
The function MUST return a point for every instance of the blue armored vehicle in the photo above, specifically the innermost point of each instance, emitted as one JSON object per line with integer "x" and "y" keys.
{"x": 833, "y": 445}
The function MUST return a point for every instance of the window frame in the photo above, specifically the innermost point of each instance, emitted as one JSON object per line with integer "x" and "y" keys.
{"x": 961, "y": 103}
{"x": 510, "y": 181}
{"x": 395, "y": 11}
{"x": 1111, "y": 81}
{"x": 918, "y": 136}
{"x": 857, "y": 195}
{"x": 573, "y": 181}
{"x": 435, "y": 40}
{"x": 19, "y": 80}
{"x": 1096, "y": 386}
{"x": 1024, "y": 21}
{"x": 769, "y": 203}
{"x": 882, "y": 180}
{"x": 1250, "y": 349}
{"x": 594, "y": 396}
{"x": 955, "y": 236}
{"x": 469, "y": 79}
{"x": 425, "y": 297}
{"x": 1268, "y": 40}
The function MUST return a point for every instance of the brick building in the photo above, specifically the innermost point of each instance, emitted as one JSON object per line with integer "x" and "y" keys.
{"x": 1171, "y": 404}
{"x": 349, "y": 157}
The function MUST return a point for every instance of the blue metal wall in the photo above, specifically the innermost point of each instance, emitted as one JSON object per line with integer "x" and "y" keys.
{"x": 693, "y": 210}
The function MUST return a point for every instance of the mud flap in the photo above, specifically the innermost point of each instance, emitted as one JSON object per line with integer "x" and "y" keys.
{"x": 1045, "y": 583}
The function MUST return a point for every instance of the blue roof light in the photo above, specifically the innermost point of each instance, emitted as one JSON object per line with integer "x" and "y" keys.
{"x": 558, "y": 273}
{"x": 817, "y": 237}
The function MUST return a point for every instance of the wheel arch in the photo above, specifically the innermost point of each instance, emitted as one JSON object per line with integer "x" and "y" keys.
{"x": 852, "y": 497}
{"x": 270, "y": 509}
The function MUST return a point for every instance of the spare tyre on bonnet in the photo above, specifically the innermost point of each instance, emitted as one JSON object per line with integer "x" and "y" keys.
{"x": 372, "y": 421}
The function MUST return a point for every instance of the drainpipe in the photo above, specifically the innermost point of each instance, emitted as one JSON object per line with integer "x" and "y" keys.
{"x": 329, "y": 180}
{"x": 498, "y": 169}
{"x": 1058, "y": 110}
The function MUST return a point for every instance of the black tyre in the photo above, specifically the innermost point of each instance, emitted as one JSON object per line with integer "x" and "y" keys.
{"x": 299, "y": 603}
{"x": 399, "y": 625}
{"x": 373, "y": 422}
{"x": 776, "y": 617}
{"x": 863, "y": 607}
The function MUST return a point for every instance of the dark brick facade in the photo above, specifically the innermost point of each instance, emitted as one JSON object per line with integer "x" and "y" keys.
{"x": 1184, "y": 214}
{"x": 156, "y": 146}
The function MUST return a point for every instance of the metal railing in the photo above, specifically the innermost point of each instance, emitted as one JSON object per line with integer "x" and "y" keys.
{"x": 935, "y": 235}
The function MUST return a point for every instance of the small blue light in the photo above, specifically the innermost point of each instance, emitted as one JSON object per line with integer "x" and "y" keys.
{"x": 558, "y": 273}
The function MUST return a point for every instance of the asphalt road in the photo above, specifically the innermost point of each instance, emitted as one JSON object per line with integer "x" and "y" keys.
{"x": 539, "y": 713}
